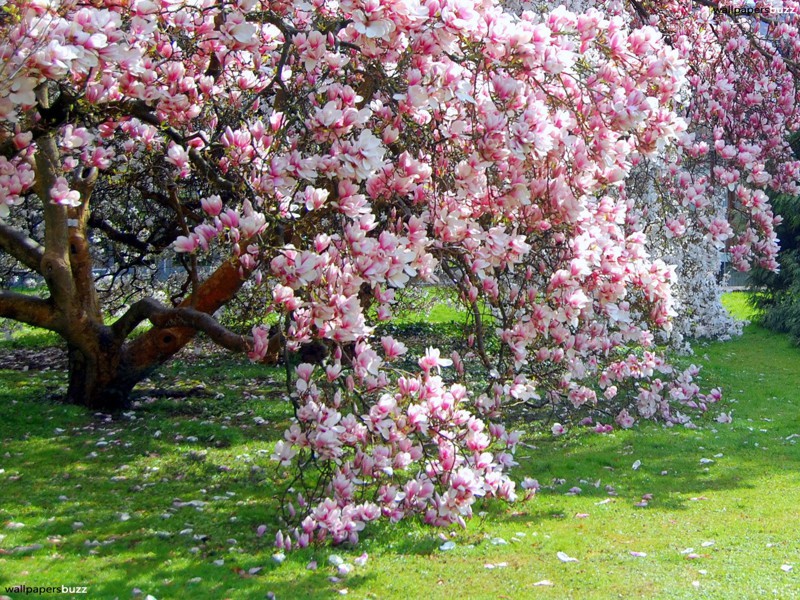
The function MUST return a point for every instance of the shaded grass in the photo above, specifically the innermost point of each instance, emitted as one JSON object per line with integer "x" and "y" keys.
{"x": 121, "y": 479}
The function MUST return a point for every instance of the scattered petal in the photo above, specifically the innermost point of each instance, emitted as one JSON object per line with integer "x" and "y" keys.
{"x": 447, "y": 546}
{"x": 498, "y": 541}
{"x": 638, "y": 554}
{"x": 582, "y": 516}
{"x": 786, "y": 568}
{"x": 564, "y": 557}
{"x": 335, "y": 560}
{"x": 708, "y": 544}
{"x": 361, "y": 560}
{"x": 312, "y": 566}
{"x": 635, "y": 466}
{"x": 279, "y": 557}
{"x": 543, "y": 582}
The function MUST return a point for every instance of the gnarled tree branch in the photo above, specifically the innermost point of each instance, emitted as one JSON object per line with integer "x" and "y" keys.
{"x": 28, "y": 309}
{"x": 165, "y": 317}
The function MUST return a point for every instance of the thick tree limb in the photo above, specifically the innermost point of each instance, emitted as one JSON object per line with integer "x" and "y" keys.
{"x": 55, "y": 262}
{"x": 26, "y": 250}
{"x": 81, "y": 261}
{"x": 157, "y": 345}
{"x": 164, "y": 317}
{"x": 27, "y": 309}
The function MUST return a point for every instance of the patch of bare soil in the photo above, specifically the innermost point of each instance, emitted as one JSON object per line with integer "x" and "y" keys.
{"x": 54, "y": 358}
{"x": 50, "y": 358}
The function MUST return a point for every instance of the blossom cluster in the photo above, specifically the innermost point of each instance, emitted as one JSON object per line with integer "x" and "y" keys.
{"x": 418, "y": 448}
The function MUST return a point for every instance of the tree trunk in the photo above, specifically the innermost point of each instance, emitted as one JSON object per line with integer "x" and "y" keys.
{"x": 99, "y": 380}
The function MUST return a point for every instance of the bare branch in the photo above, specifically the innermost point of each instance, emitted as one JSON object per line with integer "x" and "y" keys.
{"x": 122, "y": 237}
{"x": 26, "y": 250}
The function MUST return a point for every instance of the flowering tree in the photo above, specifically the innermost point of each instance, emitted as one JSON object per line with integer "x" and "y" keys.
{"x": 742, "y": 61}
{"x": 334, "y": 152}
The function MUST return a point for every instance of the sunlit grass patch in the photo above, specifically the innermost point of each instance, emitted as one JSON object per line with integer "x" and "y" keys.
{"x": 168, "y": 499}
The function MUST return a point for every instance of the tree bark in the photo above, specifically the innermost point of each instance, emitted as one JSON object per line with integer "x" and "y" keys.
{"x": 97, "y": 380}
{"x": 158, "y": 345}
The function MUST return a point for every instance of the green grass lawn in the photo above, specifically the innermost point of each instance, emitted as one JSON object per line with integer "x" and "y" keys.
{"x": 167, "y": 500}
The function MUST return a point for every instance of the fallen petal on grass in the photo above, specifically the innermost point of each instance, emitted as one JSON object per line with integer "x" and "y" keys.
{"x": 564, "y": 557}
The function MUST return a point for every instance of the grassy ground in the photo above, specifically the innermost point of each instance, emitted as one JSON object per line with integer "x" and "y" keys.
{"x": 103, "y": 504}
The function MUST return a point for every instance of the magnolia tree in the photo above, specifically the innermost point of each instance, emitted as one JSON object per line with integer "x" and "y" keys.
{"x": 334, "y": 153}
